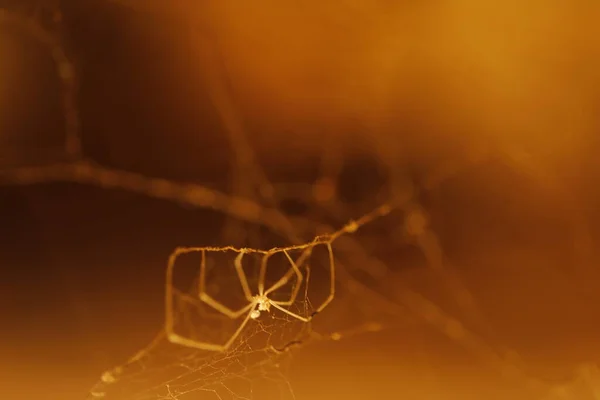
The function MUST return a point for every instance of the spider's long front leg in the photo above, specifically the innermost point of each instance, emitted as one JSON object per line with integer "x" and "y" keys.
{"x": 240, "y": 328}
{"x": 210, "y": 301}
{"x": 175, "y": 338}
{"x": 223, "y": 309}
{"x": 331, "y": 281}
{"x": 294, "y": 270}
{"x": 239, "y": 269}
{"x": 281, "y": 304}
{"x": 292, "y": 314}
{"x": 183, "y": 341}
{"x": 262, "y": 274}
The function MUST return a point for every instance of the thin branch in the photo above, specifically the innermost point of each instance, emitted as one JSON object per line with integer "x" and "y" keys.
{"x": 191, "y": 194}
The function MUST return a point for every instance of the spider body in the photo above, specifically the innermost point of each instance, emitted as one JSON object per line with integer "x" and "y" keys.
{"x": 263, "y": 303}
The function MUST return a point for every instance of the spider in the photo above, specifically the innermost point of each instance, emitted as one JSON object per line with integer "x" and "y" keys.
{"x": 257, "y": 304}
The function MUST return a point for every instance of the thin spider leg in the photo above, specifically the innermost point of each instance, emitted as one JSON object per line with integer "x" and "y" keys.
{"x": 332, "y": 281}
{"x": 206, "y": 298}
{"x": 291, "y": 271}
{"x": 306, "y": 301}
{"x": 177, "y": 339}
{"x": 187, "y": 342}
{"x": 279, "y": 304}
{"x": 242, "y": 276}
{"x": 195, "y": 302}
{"x": 239, "y": 330}
{"x": 262, "y": 274}
{"x": 285, "y": 279}
{"x": 202, "y": 280}
{"x": 290, "y": 313}
{"x": 233, "y": 314}
{"x": 282, "y": 281}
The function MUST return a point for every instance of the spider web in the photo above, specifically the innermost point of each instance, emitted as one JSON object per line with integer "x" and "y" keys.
{"x": 256, "y": 360}
{"x": 368, "y": 284}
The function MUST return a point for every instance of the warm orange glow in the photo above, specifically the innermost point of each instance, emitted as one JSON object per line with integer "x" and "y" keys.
{"x": 452, "y": 145}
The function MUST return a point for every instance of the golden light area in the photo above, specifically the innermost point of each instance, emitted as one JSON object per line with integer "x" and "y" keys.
{"x": 275, "y": 200}
{"x": 508, "y": 73}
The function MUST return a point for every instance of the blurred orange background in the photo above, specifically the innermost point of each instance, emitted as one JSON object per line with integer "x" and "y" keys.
{"x": 506, "y": 90}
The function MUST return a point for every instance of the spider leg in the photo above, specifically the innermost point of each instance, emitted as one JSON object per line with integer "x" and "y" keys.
{"x": 280, "y": 304}
{"x": 242, "y": 276}
{"x": 262, "y": 274}
{"x": 240, "y": 328}
{"x": 293, "y": 299}
{"x": 169, "y": 317}
{"x": 285, "y": 279}
{"x": 177, "y": 339}
{"x": 210, "y": 301}
{"x": 331, "y": 296}
{"x": 292, "y": 314}
{"x": 233, "y": 314}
